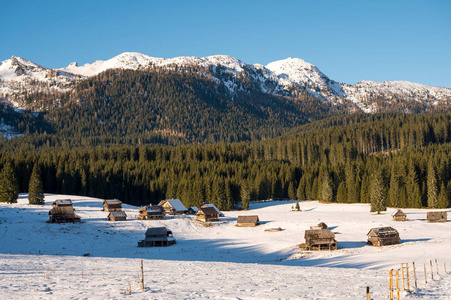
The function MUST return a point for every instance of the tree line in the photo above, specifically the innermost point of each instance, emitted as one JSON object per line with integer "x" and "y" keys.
{"x": 389, "y": 160}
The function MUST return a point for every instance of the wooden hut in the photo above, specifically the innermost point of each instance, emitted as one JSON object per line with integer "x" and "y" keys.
{"x": 151, "y": 212}
{"x": 117, "y": 216}
{"x": 212, "y": 205}
{"x": 112, "y": 205}
{"x": 157, "y": 237}
{"x": 207, "y": 214}
{"x": 398, "y": 215}
{"x": 63, "y": 212}
{"x": 192, "y": 210}
{"x": 382, "y": 236}
{"x": 437, "y": 217}
{"x": 320, "y": 239}
{"x": 173, "y": 207}
{"x": 247, "y": 221}
{"x": 321, "y": 225}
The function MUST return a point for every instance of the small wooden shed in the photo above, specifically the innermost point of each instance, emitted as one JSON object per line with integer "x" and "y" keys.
{"x": 437, "y": 216}
{"x": 247, "y": 221}
{"x": 212, "y": 205}
{"x": 398, "y": 215}
{"x": 157, "y": 237}
{"x": 117, "y": 216}
{"x": 63, "y": 212}
{"x": 320, "y": 239}
{"x": 192, "y": 210}
{"x": 173, "y": 207}
{"x": 151, "y": 212}
{"x": 112, "y": 205}
{"x": 382, "y": 236}
{"x": 207, "y": 214}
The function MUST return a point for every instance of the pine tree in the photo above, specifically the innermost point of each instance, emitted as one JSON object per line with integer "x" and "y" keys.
{"x": 341, "y": 193}
{"x": 245, "y": 196}
{"x": 35, "y": 189}
{"x": 9, "y": 187}
{"x": 413, "y": 188}
{"x": 443, "y": 197}
{"x": 432, "y": 186}
{"x": 377, "y": 193}
{"x": 297, "y": 207}
{"x": 327, "y": 191}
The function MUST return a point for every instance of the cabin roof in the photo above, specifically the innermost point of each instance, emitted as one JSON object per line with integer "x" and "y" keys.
{"x": 248, "y": 219}
{"x": 66, "y": 210}
{"x": 437, "y": 214}
{"x": 62, "y": 202}
{"x": 156, "y": 231}
{"x": 211, "y": 205}
{"x": 319, "y": 234}
{"x": 194, "y": 208}
{"x": 207, "y": 211}
{"x": 118, "y": 214}
{"x": 398, "y": 213}
{"x": 382, "y": 231}
{"x": 151, "y": 208}
{"x": 175, "y": 203}
{"x": 112, "y": 202}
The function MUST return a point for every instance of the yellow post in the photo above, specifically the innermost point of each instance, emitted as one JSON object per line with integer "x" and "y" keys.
{"x": 414, "y": 274}
{"x": 397, "y": 283}
{"x": 436, "y": 266}
{"x": 391, "y": 284}
{"x": 425, "y": 274}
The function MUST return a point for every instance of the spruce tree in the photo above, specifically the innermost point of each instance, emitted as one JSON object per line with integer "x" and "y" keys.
{"x": 377, "y": 193}
{"x": 245, "y": 196}
{"x": 9, "y": 187}
{"x": 327, "y": 191}
{"x": 35, "y": 189}
{"x": 432, "y": 186}
{"x": 443, "y": 197}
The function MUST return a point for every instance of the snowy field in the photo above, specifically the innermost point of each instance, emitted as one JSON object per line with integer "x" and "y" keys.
{"x": 39, "y": 260}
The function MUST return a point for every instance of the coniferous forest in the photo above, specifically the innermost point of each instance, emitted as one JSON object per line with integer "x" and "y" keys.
{"x": 387, "y": 159}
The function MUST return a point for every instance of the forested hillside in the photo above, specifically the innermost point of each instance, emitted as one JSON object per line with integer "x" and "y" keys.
{"x": 344, "y": 159}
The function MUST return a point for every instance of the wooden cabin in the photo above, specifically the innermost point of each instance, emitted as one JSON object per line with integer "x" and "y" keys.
{"x": 117, "y": 216}
{"x": 321, "y": 225}
{"x": 62, "y": 202}
{"x": 437, "y": 217}
{"x": 157, "y": 237}
{"x": 320, "y": 239}
{"x": 112, "y": 205}
{"x": 192, "y": 210}
{"x": 247, "y": 221}
{"x": 151, "y": 212}
{"x": 382, "y": 236}
{"x": 173, "y": 207}
{"x": 212, "y": 205}
{"x": 398, "y": 215}
{"x": 207, "y": 214}
{"x": 63, "y": 212}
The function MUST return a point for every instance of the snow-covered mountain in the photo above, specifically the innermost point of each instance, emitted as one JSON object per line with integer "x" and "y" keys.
{"x": 284, "y": 77}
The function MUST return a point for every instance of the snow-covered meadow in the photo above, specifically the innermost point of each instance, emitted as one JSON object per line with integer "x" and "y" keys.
{"x": 97, "y": 259}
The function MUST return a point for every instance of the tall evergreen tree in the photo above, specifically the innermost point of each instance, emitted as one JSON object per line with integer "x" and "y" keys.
{"x": 245, "y": 196}
{"x": 9, "y": 187}
{"x": 432, "y": 186}
{"x": 326, "y": 188}
{"x": 443, "y": 197}
{"x": 377, "y": 193}
{"x": 35, "y": 189}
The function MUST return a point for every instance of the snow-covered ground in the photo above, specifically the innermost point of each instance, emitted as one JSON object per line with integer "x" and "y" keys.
{"x": 39, "y": 260}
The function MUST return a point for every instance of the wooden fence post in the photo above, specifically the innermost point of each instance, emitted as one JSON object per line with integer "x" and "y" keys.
{"x": 368, "y": 295}
{"x": 425, "y": 275}
{"x": 415, "y": 274}
{"x": 142, "y": 275}
{"x": 432, "y": 272}
{"x": 436, "y": 266}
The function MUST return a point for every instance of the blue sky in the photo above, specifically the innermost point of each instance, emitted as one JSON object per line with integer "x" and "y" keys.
{"x": 348, "y": 40}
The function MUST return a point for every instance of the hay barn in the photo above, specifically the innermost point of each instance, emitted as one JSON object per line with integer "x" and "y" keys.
{"x": 157, "y": 237}
{"x": 320, "y": 239}
{"x": 207, "y": 214}
{"x": 63, "y": 212}
{"x": 212, "y": 205}
{"x": 112, "y": 205}
{"x": 117, "y": 216}
{"x": 399, "y": 215}
{"x": 151, "y": 212}
{"x": 382, "y": 236}
{"x": 173, "y": 207}
{"x": 437, "y": 217}
{"x": 247, "y": 221}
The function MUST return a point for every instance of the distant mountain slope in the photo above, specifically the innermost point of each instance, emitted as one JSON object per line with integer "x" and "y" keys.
{"x": 288, "y": 77}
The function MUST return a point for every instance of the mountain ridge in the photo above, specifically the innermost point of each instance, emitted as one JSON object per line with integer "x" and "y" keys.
{"x": 282, "y": 77}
